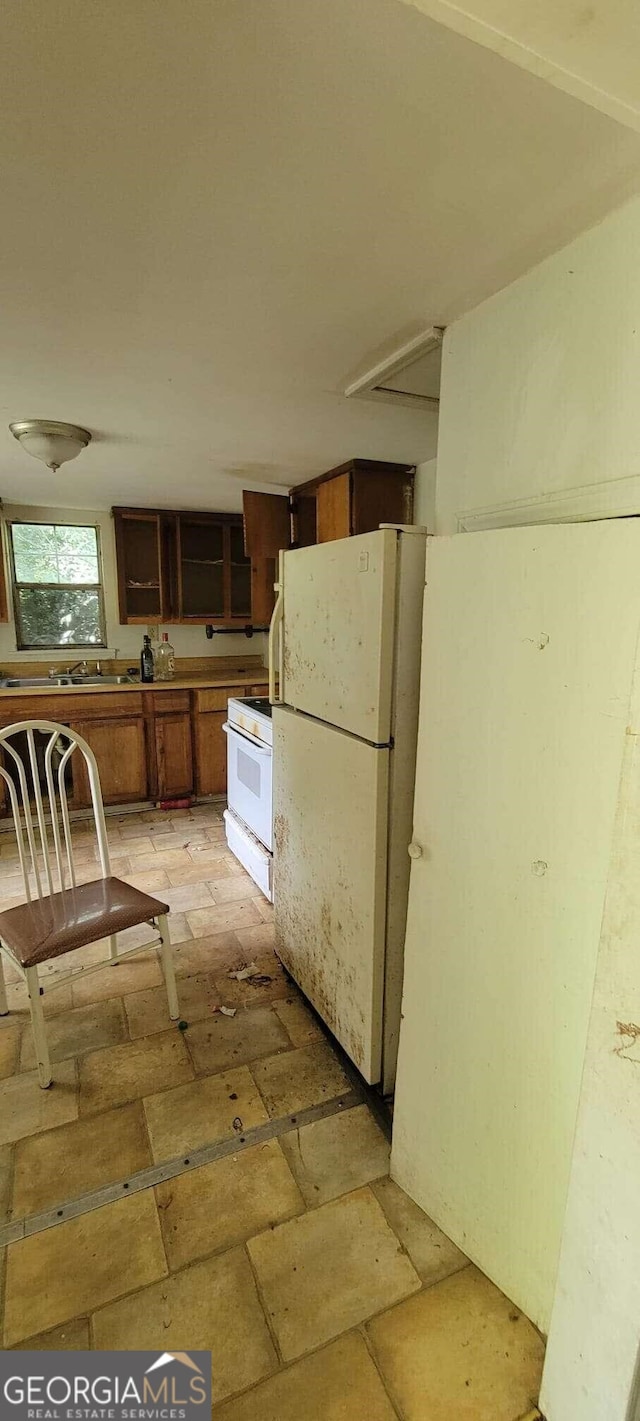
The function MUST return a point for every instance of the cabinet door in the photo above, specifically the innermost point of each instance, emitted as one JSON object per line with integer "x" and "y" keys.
{"x": 139, "y": 563}
{"x": 174, "y": 753}
{"x": 201, "y": 568}
{"x": 304, "y": 519}
{"x": 267, "y": 524}
{"x": 334, "y": 508}
{"x": 120, "y": 750}
{"x": 267, "y": 529}
{"x": 381, "y": 497}
{"x": 240, "y": 589}
{"x": 211, "y": 752}
{"x": 263, "y": 597}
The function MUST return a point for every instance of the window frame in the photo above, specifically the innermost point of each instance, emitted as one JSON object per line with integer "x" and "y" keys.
{"x": 16, "y": 585}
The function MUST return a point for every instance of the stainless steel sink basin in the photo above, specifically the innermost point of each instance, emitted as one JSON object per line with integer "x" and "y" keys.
{"x": 102, "y": 680}
{"x": 27, "y": 682}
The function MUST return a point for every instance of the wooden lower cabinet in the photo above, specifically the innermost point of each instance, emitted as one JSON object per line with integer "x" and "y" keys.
{"x": 173, "y": 745}
{"x": 119, "y": 745}
{"x": 151, "y": 745}
{"x": 210, "y": 739}
{"x": 211, "y": 752}
{"x": 210, "y": 714}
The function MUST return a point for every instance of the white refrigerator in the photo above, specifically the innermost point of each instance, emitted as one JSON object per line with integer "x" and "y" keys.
{"x": 346, "y": 637}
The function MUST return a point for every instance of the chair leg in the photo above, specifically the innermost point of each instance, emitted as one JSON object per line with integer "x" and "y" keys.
{"x": 39, "y": 1031}
{"x": 167, "y": 967}
{"x": 114, "y": 949}
{"x": 4, "y": 1005}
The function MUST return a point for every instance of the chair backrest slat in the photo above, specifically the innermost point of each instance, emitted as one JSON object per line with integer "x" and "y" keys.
{"x": 25, "y": 808}
{"x": 37, "y": 792}
{"x": 52, "y": 806}
{"x": 55, "y": 824}
{"x": 64, "y": 807}
{"x": 15, "y": 813}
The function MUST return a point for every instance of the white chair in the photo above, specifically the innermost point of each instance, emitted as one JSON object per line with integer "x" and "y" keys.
{"x": 64, "y": 915}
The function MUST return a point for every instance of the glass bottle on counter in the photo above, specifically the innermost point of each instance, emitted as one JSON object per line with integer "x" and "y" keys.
{"x": 165, "y": 660}
{"x": 146, "y": 660}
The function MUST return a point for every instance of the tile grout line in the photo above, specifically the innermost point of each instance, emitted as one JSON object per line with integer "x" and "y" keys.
{"x": 263, "y": 1304}
{"x": 154, "y": 1174}
{"x": 386, "y": 1386}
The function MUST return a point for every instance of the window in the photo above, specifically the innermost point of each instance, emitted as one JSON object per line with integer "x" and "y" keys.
{"x": 57, "y": 588}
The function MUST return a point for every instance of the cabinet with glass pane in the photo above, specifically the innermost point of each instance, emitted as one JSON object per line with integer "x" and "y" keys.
{"x": 177, "y": 566}
{"x": 214, "y": 574}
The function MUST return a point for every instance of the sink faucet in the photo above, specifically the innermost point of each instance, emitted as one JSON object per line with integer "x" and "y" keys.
{"x": 82, "y": 666}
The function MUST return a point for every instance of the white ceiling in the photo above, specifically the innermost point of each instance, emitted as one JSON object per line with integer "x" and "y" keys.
{"x": 216, "y": 215}
{"x": 590, "y": 48}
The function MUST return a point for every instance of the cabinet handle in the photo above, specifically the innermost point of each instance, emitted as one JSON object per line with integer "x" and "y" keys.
{"x": 415, "y": 850}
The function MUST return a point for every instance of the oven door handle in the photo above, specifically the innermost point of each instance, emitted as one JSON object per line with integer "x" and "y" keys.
{"x": 246, "y": 735}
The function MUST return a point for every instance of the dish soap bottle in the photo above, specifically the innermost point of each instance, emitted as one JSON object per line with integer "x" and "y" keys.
{"x": 165, "y": 660}
{"x": 146, "y": 660}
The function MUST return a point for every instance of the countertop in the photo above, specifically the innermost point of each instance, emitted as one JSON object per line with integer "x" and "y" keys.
{"x": 258, "y": 677}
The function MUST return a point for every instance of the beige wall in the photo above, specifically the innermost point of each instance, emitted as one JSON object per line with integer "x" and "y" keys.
{"x": 187, "y": 641}
{"x": 540, "y": 386}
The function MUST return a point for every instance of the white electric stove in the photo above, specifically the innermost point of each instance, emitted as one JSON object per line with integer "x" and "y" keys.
{"x": 249, "y": 813}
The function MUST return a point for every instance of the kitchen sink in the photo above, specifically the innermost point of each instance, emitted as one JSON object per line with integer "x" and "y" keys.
{"x": 101, "y": 680}
{"x": 30, "y": 682}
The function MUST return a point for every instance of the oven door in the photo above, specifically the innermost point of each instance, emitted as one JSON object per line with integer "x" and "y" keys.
{"x": 249, "y": 782}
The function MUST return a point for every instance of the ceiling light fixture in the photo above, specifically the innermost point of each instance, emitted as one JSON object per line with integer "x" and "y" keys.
{"x": 50, "y": 440}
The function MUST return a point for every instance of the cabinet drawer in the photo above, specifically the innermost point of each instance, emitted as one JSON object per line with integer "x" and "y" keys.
{"x": 165, "y": 701}
{"x": 216, "y": 697}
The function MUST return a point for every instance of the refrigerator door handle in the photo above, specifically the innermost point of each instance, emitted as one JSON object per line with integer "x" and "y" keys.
{"x": 275, "y": 631}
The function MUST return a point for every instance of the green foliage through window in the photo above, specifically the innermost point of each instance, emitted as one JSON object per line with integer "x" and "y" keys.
{"x": 57, "y": 586}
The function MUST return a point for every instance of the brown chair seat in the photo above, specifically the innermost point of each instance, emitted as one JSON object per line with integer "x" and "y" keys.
{"x": 35, "y": 932}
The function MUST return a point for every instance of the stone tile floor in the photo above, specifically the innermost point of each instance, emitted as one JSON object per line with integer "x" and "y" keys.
{"x": 319, "y": 1287}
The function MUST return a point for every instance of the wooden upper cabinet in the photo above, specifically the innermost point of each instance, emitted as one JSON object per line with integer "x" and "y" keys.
{"x": 333, "y": 509}
{"x": 354, "y": 498}
{"x": 267, "y": 524}
{"x": 214, "y": 572}
{"x": 176, "y": 566}
{"x": 139, "y": 563}
{"x": 267, "y": 529}
{"x": 179, "y": 566}
{"x": 380, "y": 495}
